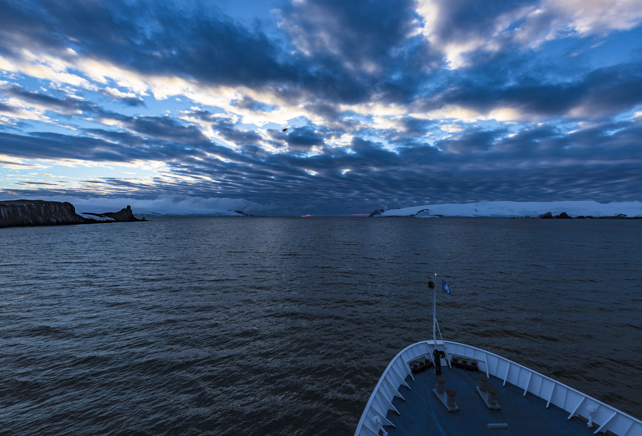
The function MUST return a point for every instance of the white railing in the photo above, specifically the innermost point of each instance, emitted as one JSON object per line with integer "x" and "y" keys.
{"x": 554, "y": 392}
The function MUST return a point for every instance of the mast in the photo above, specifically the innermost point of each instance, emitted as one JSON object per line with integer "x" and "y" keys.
{"x": 434, "y": 311}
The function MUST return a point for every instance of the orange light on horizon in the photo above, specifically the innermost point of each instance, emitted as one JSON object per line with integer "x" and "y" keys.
{"x": 306, "y": 216}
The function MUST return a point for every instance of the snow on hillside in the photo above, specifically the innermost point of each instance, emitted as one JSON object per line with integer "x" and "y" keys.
{"x": 162, "y": 211}
{"x": 521, "y": 209}
{"x": 187, "y": 212}
{"x": 96, "y": 218}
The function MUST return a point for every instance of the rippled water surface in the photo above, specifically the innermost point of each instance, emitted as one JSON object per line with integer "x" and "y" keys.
{"x": 282, "y": 326}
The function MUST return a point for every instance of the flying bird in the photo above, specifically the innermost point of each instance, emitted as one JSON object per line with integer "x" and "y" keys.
{"x": 285, "y": 129}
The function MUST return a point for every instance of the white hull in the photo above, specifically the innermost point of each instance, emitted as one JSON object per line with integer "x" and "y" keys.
{"x": 552, "y": 391}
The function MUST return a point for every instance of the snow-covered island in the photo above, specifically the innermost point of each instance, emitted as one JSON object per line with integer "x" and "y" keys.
{"x": 515, "y": 209}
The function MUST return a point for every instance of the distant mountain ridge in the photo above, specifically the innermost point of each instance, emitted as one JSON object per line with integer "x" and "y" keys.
{"x": 514, "y": 209}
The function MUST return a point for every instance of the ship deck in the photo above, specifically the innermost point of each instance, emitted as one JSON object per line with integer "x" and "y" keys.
{"x": 424, "y": 414}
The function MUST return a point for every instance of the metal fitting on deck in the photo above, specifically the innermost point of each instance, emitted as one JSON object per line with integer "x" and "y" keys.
{"x": 492, "y": 396}
{"x": 591, "y": 412}
{"x": 483, "y": 383}
{"x": 451, "y": 398}
{"x": 440, "y": 385}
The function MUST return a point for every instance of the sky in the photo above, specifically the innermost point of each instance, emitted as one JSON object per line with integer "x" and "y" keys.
{"x": 386, "y": 104}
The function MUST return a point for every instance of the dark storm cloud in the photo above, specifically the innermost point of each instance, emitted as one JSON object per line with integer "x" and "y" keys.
{"x": 249, "y": 103}
{"x": 356, "y": 50}
{"x": 331, "y": 54}
{"x": 46, "y": 145}
{"x": 323, "y": 108}
{"x": 368, "y": 154}
{"x": 302, "y": 138}
{"x": 101, "y": 145}
{"x": 36, "y": 183}
{"x": 513, "y": 168}
{"x": 160, "y": 128}
{"x": 543, "y": 148}
{"x": 208, "y": 47}
{"x": 601, "y": 92}
{"x": 117, "y": 136}
{"x": 202, "y": 114}
{"x": 166, "y": 128}
{"x": 4, "y": 162}
{"x": 132, "y": 102}
{"x": 608, "y": 143}
{"x": 415, "y": 126}
{"x": 338, "y": 36}
{"x": 239, "y": 137}
{"x": 127, "y": 101}
{"x": 478, "y": 141}
{"x": 527, "y": 140}
{"x": 6, "y": 108}
{"x": 67, "y": 105}
{"x": 361, "y": 32}
{"x": 226, "y": 127}
{"x": 463, "y": 20}
{"x": 204, "y": 45}
{"x": 491, "y": 29}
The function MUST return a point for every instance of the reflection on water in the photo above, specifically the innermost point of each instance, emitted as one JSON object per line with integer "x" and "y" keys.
{"x": 272, "y": 326}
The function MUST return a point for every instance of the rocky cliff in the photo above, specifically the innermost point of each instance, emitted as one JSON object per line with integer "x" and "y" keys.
{"x": 37, "y": 213}
{"x": 123, "y": 216}
{"x": 52, "y": 213}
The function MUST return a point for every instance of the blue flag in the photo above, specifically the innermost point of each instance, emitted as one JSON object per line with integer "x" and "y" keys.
{"x": 445, "y": 287}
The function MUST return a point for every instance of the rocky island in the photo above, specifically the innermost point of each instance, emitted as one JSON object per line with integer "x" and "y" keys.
{"x": 18, "y": 213}
{"x": 123, "y": 216}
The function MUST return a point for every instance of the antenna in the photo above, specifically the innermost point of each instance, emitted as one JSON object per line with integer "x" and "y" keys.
{"x": 433, "y": 285}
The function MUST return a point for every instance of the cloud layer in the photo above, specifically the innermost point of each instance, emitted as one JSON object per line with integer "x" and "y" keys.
{"x": 325, "y": 107}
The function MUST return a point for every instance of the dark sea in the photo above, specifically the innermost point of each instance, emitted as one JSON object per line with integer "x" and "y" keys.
{"x": 283, "y": 326}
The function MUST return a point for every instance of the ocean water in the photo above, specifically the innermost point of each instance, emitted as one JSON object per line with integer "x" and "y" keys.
{"x": 283, "y": 326}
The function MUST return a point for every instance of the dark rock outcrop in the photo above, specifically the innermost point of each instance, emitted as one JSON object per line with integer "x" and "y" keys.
{"x": 38, "y": 213}
{"x": 550, "y": 216}
{"x": 377, "y": 212}
{"x": 52, "y": 213}
{"x": 240, "y": 212}
{"x": 565, "y": 216}
{"x": 619, "y": 216}
{"x": 123, "y": 216}
{"x": 422, "y": 212}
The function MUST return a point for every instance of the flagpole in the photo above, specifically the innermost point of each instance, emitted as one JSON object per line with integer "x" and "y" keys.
{"x": 434, "y": 312}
